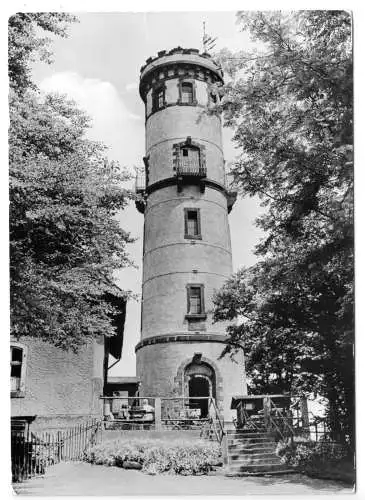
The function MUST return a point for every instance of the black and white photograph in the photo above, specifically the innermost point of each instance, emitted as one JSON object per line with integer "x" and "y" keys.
{"x": 181, "y": 252}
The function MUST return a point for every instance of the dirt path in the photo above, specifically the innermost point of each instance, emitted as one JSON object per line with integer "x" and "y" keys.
{"x": 88, "y": 480}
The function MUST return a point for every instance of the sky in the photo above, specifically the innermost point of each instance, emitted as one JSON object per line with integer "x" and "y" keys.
{"x": 98, "y": 66}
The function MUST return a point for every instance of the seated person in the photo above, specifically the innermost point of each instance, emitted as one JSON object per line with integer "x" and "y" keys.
{"x": 123, "y": 412}
{"x": 149, "y": 411}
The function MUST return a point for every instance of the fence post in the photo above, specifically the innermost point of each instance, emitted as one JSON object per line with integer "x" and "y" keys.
{"x": 267, "y": 411}
{"x": 59, "y": 446}
{"x": 305, "y": 416}
{"x": 225, "y": 449}
{"x": 101, "y": 431}
{"x": 158, "y": 422}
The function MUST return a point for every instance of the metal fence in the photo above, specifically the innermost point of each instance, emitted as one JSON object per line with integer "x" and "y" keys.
{"x": 164, "y": 413}
{"x": 32, "y": 452}
{"x": 180, "y": 412}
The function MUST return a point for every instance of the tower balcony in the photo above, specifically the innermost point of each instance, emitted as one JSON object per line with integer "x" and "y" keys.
{"x": 140, "y": 184}
{"x": 140, "y": 190}
{"x": 190, "y": 170}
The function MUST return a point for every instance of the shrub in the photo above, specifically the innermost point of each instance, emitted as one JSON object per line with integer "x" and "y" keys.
{"x": 158, "y": 456}
{"x": 304, "y": 453}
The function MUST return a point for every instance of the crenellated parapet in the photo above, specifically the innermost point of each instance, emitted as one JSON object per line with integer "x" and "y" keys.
{"x": 180, "y": 77}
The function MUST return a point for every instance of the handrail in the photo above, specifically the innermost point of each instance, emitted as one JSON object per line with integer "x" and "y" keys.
{"x": 283, "y": 419}
{"x": 221, "y": 425}
{"x": 250, "y": 420}
{"x": 212, "y": 423}
{"x": 272, "y": 422}
{"x": 152, "y": 397}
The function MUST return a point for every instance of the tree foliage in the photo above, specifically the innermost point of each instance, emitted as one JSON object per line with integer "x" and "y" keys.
{"x": 27, "y": 43}
{"x": 65, "y": 241}
{"x": 290, "y": 103}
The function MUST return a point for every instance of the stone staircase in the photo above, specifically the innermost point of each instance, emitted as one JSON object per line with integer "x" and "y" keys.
{"x": 252, "y": 453}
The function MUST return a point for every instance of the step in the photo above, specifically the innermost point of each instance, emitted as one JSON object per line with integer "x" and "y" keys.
{"x": 255, "y": 430}
{"x": 260, "y": 437}
{"x": 278, "y": 472}
{"x": 258, "y": 432}
{"x": 245, "y": 435}
{"x": 235, "y": 450}
{"x": 272, "y": 460}
{"x": 250, "y": 441}
{"x": 251, "y": 444}
{"x": 248, "y": 456}
{"x": 251, "y": 447}
{"x": 262, "y": 468}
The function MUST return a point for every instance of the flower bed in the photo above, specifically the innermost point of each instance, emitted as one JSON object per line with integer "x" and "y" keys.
{"x": 158, "y": 456}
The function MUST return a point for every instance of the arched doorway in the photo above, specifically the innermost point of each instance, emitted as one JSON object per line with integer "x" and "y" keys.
{"x": 200, "y": 383}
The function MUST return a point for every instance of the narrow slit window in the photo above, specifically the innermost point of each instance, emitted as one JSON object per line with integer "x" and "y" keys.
{"x": 187, "y": 93}
{"x": 158, "y": 98}
{"x": 192, "y": 223}
{"x": 195, "y": 300}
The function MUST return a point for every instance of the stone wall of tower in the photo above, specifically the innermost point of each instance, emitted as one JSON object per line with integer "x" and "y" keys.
{"x": 175, "y": 124}
{"x": 159, "y": 369}
{"x": 172, "y": 262}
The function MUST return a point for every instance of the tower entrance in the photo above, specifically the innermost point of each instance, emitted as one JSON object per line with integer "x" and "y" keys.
{"x": 200, "y": 383}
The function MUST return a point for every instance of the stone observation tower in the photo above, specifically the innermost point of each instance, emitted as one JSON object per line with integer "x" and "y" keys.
{"x": 187, "y": 248}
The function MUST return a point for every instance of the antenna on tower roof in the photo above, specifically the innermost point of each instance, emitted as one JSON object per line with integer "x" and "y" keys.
{"x": 208, "y": 41}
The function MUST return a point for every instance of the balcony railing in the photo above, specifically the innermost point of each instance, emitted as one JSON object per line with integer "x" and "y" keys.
{"x": 190, "y": 167}
{"x": 140, "y": 184}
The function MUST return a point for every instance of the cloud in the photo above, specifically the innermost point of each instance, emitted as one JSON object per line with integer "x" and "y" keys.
{"x": 112, "y": 122}
{"x": 131, "y": 86}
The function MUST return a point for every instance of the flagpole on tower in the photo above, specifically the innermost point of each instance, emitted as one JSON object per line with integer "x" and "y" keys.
{"x": 208, "y": 41}
{"x": 204, "y": 36}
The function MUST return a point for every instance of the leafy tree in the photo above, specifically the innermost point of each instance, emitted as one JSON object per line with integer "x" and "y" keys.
{"x": 26, "y": 43}
{"x": 65, "y": 241}
{"x": 290, "y": 103}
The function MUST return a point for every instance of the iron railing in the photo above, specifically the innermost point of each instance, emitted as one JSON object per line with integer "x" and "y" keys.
{"x": 140, "y": 182}
{"x": 170, "y": 413}
{"x": 129, "y": 412}
{"x": 284, "y": 424}
{"x": 187, "y": 167}
{"x": 33, "y": 452}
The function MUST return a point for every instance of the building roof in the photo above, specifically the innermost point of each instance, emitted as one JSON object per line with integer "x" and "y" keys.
{"x": 237, "y": 399}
